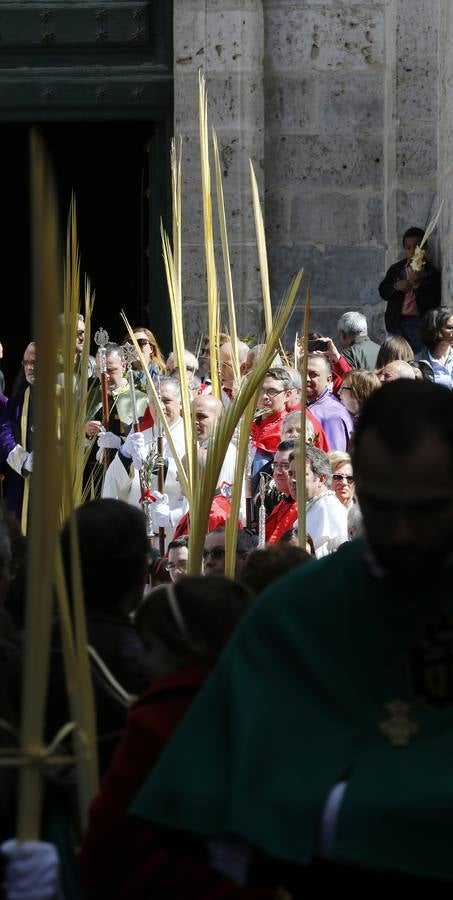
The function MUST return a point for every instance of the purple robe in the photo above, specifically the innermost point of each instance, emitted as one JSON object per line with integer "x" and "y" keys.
{"x": 334, "y": 418}
{"x": 10, "y": 435}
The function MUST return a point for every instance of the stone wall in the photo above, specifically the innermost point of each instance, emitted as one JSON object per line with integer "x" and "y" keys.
{"x": 338, "y": 105}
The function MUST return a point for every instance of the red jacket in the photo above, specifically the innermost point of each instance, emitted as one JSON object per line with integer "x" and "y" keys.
{"x": 220, "y": 512}
{"x": 281, "y": 519}
{"x": 265, "y": 433}
{"x": 339, "y": 369}
{"x": 123, "y": 857}
{"x": 320, "y": 435}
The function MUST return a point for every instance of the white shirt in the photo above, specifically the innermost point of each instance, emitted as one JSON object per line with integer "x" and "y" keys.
{"x": 119, "y": 485}
{"x": 327, "y": 523}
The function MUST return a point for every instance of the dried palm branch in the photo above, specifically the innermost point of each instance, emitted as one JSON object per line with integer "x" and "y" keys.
{"x": 418, "y": 260}
{"x": 231, "y": 528}
{"x": 211, "y": 273}
{"x": 232, "y": 330}
{"x": 207, "y": 476}
{"x": 45, "y": 496}
{"x": 262, "y": 253}
{"x": 175, "y": 163}
{"x": 301, "y": 455}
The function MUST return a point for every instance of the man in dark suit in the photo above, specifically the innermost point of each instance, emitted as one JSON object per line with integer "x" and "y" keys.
{"x": 410, "y": 294}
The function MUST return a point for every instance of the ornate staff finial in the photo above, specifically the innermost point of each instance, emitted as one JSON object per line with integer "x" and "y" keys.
{"x": 129, "y": 354}
{"x": 101, "y": 339}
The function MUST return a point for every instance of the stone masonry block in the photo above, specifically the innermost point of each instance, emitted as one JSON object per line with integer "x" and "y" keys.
{"x": 325, "y": 218}
{"x": 416, "y": 152}
{"x": 324, "y": 37}
{"x": 417, "y": 28}
{"x": 238, "y": 211}
{"x": 234, "y": 101}
{"x": 277, "y": 211}
{"x": 347, "y": 277}
{"x": 416, "y": 91}
{"x": 189, "y": 39}
{"x": 415, "y": 208}
{"x": 324, "y": 320}
{"x": 351, "y": 100}
{"x": 235, "y": 41}
{"x": 338, "y": 160}
{"x": 291, "y": 104}
{"x": 235, "y": 150}
{"x": 373, "y": 227}
{"x": 245, "y": 271}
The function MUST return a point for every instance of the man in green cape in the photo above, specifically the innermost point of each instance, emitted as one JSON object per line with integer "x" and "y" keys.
{"x": 326, "y": 729}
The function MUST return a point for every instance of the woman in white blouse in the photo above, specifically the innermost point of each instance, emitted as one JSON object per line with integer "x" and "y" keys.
{"x": 436, "y": 358}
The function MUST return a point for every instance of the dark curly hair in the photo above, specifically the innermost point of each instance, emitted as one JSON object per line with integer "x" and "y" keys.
{"x": 433, "y": 322}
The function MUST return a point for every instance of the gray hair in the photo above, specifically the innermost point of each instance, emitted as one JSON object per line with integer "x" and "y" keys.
{"x": 295, "y": 376}
{"x": 114, "y": 348}
{"x": 258, "y": 351}
{"x": 355, "y": 521}
{"x": 170, "y": 381}
{"x": 353, "y": 324}
{"x": 319, "y": 463}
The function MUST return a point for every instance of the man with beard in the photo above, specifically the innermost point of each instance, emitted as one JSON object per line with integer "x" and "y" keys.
{"x": 339, "y": 691}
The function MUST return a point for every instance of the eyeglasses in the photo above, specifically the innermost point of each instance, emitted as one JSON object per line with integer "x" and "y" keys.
{"x": 270, "y": 392}
{"x": 337, "y": 477}
{"x": 142, "y": 342}
{"x": 177, "y": 567}
{"x": 343, "y": 387}
{"x": 283, "y": 467}
{"x": 215, "y": 553}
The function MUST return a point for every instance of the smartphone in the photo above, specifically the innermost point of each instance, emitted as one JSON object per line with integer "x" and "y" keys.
{"x": 317, "y": 345}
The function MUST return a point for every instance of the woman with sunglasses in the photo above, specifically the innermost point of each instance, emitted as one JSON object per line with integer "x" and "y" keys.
{"x": 342, "y": 477}
{"x": 152, "y": 355}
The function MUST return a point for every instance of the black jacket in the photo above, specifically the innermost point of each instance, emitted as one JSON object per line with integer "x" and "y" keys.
{"x": 428, "y": 294}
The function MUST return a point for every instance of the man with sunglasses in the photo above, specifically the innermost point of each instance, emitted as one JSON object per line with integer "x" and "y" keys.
{"x": 214, "y": 551}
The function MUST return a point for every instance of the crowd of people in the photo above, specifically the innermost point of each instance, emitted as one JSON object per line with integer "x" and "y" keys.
{"x": 317, "y": 744}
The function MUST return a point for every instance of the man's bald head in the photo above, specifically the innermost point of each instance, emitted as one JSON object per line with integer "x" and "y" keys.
{"x": 395, "y": 370}
{"x": 190, "y": 360}
{"x": 226, "y": 362}
{"x": 207, "y": 412}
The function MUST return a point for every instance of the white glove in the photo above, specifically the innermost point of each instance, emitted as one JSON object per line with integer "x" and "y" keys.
{"x": 32, "y": 871}
{"x": 19, "y": 459}
{"x": 160, "y": 510}
{"x": 134, "y": 447}
{"x": 107, "y": 440}
{"x": 28, "y": 464}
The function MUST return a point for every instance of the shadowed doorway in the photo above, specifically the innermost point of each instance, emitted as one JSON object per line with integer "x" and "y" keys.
{"x": 108, "y": 165}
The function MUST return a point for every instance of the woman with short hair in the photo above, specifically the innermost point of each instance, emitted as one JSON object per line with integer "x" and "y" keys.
{"x": 436, "y": 358}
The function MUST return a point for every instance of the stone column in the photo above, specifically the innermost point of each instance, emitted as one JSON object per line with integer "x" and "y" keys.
{"x": 416, "y": 116}
{"x": 445, "y": 164}
{"x": 324, "y": 164}
{"x": 225, "y": 39}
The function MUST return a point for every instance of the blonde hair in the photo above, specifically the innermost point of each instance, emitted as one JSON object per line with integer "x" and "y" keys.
{"x": 338, "y": 458}
{"x": 157, "y": 353}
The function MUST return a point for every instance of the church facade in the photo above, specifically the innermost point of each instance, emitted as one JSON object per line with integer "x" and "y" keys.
{"x": 344, "y": 108}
